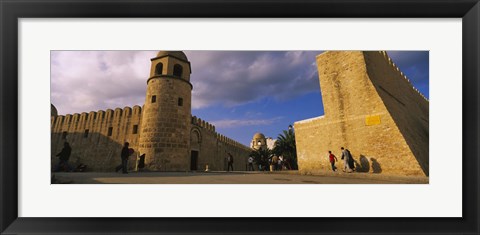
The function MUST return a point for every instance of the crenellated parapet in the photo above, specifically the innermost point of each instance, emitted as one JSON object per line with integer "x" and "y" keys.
{"x": 221, "y": 138}
{"x": 94, "y": 119}
{"x": 230, "y": 142}
{"x": 395, "y": 67}
{"x": 202, "y": 124}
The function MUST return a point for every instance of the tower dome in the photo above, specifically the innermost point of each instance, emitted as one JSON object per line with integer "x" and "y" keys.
{"x": 258, "y": 136}
{"x": 171, "y": 64}
{"x": 177, "y": 54}
{"x": 259, "y": 141}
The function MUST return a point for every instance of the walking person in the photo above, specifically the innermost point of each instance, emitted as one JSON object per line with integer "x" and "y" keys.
{"x": 124, "y": 156}
{"x": 64, "y": 155}
{"x": 229, "y": 161}
{"x": 250, "y": 164}
{"x": 332, "y": 159}
{"x": 274, "y": 163}
{"x": 346, "y": 156}
{"x": 280, "y": 163}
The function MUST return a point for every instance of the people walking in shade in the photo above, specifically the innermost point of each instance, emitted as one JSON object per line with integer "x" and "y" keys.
{"x": 64, "y": 155}
{"x": 124, "y": 157}
{"x": 229, "y": 161}
{"x": 332, "y": 160}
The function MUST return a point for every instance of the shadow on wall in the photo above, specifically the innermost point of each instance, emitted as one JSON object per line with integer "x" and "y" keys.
{"x": 376, "y": 168}
{"x": 363, "y": 165}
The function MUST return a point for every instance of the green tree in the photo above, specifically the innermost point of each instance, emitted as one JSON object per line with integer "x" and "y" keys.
{"x": 285, "y": 146}
{"x": 261, "y": 157}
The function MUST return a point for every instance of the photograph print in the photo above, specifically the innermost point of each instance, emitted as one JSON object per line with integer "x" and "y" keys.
{"x": 239, "y": 117}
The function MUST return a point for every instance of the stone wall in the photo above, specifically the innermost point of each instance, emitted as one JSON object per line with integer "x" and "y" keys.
{"x": 371, "y": 109}
{"x": 96, "y": 138}
{"x": 213, "y": 148}
{"x": 101, "y": 151}
{"x": 165, "y": 125}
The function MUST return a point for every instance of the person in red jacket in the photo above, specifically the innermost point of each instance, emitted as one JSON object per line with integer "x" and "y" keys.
{"x": 332, "y": 159}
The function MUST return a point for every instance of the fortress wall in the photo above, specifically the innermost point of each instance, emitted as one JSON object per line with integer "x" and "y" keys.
{"x": 100, "y": 147}
{"x": 207, "y": 146}
{"x": 407, "y": 106}
{"x": 101, "y": 152}
{"x": 356, "y": 117}
{"x": 214, "y": 148}
{"x": 239, "y": 152}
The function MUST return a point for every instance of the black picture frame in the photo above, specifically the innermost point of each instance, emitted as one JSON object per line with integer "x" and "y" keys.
{"x": 11, "y": 11}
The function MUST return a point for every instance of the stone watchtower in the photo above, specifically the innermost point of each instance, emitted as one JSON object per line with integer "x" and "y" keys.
{"x": 165, "y": 127}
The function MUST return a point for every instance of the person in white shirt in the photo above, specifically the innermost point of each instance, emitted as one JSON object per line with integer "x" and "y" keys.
{"x": 250, "y": 164}
{"x": 280, "y": 162}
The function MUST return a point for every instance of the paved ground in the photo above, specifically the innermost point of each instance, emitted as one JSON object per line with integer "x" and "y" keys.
{"x": 282, "y": 177}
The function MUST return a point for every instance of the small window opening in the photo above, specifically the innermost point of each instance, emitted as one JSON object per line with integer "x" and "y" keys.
{"x": 154, "y": 98}
{"x": 110, "y": 130}
{"x": 135, "y": 129}
{"x": 85, "y": 135}
{"x": 177, "y": 70}
{"x": 180, "y": 101}
{"x": 159, "y": 69}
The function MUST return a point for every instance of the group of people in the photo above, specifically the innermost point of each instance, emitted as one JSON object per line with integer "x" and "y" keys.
{"x": 348, "y": 161}
{"x": 124, "y": 155}
{"x": 275, "y": 164}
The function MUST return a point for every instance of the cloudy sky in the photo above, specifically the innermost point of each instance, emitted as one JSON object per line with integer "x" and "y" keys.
{"x": 240, "y": 92}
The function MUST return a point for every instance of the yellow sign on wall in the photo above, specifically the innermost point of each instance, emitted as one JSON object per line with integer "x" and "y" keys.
{"x": 372, "y": 120}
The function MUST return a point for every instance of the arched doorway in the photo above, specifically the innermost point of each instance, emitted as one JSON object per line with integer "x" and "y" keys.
{"x": 195, "y": 142}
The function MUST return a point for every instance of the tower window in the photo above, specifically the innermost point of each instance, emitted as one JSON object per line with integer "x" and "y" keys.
{"x": 154, "y": 98}
{"x": 110, "y": 130}
{"x": 159, "y": 69}
{"x": 85, "y": 135}
{"x": 177, "y": 70}
{"x": 64, "y": 135}
{"x": 135, "y": 129}
{"x": 180, "y": 101}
